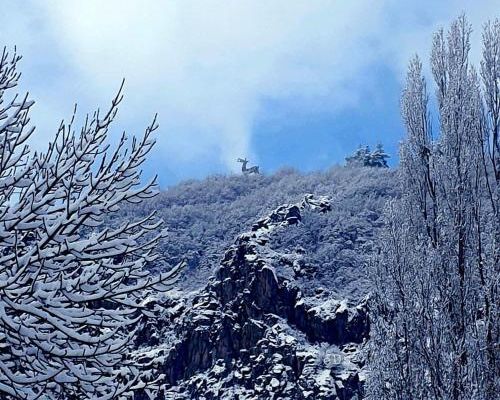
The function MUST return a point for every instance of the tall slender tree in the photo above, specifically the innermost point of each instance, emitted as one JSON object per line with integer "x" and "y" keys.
{"x": 435, "y": 307}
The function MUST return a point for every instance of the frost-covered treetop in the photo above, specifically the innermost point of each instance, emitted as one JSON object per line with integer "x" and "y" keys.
{"x": 363, "y": 157}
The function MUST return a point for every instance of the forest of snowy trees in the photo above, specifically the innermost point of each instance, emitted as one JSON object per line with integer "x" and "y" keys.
{"x": 204, "y": 216}
{"x": 83, "y": 254}
{"x": 436, "y": 318}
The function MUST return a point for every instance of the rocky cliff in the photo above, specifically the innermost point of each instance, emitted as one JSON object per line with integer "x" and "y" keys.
{"x": 252, "y": 333}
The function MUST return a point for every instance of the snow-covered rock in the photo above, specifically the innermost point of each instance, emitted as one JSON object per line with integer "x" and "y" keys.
{"x": 251, "y": 333}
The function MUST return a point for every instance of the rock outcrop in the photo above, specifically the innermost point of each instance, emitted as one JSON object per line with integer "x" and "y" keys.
{"x": 252, "y": 334}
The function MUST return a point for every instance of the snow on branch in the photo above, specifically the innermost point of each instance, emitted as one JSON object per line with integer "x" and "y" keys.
{"x": 70, "y": 287}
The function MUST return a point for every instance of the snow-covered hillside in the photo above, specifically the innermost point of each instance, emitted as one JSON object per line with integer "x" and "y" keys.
{"x": 205, "y": 217}
{"x": 282, "y": 315}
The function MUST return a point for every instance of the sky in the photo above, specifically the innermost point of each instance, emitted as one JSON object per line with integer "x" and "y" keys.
{"x": 296, "y": 84}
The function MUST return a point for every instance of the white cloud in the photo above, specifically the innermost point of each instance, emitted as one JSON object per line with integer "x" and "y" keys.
{"x": 205, "y": 66}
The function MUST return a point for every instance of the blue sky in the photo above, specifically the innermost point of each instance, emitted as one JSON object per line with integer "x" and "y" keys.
{"x": 284, "y": 83}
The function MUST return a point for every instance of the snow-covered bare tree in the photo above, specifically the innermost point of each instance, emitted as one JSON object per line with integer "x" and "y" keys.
{"x": 435, "y": 305}
{"x": 71, "y": 288}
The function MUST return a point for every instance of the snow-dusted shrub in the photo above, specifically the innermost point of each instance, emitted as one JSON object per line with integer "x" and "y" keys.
{"x": 363, "y": 157}
{"x": 71, "y": 290}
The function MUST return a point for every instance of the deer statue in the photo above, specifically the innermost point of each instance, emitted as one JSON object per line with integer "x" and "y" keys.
{"x": 245, "y": 170}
